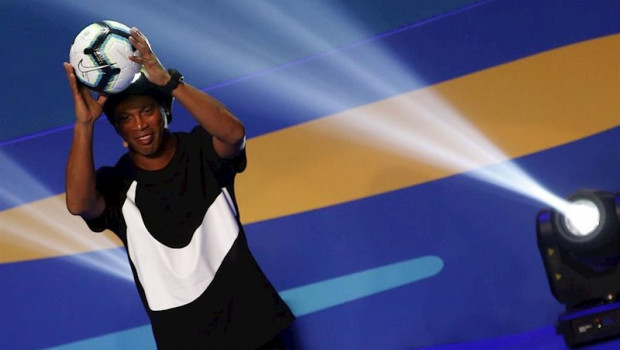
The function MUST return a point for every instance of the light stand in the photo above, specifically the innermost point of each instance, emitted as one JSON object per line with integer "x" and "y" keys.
{"x": 580, "y": 248}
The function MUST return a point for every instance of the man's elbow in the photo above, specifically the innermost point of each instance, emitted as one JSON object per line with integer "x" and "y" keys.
{"x": 86, "y": 210}
{"x": 76, "y": 209}
{"x": 237, "y": 134}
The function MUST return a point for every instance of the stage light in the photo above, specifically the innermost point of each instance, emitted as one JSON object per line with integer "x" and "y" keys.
{"x": 582, "y": 218}
{"x": 580, "y": 248}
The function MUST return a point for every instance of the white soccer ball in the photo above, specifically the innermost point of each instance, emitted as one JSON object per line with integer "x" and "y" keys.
{"x": 99, "y": 56}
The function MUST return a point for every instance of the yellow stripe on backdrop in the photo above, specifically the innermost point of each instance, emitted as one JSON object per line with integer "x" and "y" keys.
{"x": 522, "y": 107}
{"x": 45, "y": 228}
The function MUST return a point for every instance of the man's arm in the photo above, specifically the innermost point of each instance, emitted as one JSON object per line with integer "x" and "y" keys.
{"x": 80, "y": 184}
{"x": 228, "y": 132}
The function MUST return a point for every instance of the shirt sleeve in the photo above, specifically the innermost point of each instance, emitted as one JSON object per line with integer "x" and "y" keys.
{"x": 109, "y": 185}
{"x": 225, "y": 169}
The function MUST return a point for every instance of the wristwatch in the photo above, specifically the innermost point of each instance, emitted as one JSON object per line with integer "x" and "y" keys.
{"x": 175, "y": 79}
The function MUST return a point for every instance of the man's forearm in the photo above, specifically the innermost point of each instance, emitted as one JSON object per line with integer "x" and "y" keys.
{"x": 82, "y": 196}
{"x": 212, "y": 115}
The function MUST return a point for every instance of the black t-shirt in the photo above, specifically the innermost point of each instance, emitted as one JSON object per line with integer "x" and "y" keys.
{"x": 187, "y": 249}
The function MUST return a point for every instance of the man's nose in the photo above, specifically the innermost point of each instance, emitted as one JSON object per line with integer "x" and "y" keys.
{"x": 140, "y": 123}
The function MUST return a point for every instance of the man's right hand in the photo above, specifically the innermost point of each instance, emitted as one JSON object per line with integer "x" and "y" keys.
{"x": 87, "y": 109}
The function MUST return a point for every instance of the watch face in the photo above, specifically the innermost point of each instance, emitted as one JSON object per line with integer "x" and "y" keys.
{"x": 177, "y": 77}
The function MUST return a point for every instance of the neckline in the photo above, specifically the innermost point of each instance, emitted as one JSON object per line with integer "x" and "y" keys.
{"x": 165, "y": 172}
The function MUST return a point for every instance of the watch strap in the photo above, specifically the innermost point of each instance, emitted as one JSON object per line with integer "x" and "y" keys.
{"x": 175, "y": 79}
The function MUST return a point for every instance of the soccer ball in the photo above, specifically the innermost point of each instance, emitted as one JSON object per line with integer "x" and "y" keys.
{"x": 99, "y": 57}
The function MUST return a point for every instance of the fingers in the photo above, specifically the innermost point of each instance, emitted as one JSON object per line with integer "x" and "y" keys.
{"x": 86, "y": 96}
{"x": 101, "y": 99}
{"x": 141, "y": 43}
{"x": 153, "y": 69}
{"x": 68, "y": 68}
{"x": 137, "y": 35}
{"x": 71, "y": 76}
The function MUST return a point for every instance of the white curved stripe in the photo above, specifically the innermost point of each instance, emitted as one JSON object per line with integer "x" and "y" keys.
{"x": 173, "y": 277}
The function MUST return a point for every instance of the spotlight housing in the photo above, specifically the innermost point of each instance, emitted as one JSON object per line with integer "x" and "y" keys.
{"x": 580, "y": 249}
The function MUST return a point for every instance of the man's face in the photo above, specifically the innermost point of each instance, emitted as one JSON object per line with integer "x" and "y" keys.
{"x": 140, "y": 123}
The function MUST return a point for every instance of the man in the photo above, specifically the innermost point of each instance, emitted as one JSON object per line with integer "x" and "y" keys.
{"x": 171, "y": 200}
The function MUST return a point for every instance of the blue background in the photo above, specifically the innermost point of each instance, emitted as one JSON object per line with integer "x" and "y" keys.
{"x": 491, "y": 291}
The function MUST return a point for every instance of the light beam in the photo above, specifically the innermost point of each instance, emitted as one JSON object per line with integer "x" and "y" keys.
{"x": 51, "y": 227}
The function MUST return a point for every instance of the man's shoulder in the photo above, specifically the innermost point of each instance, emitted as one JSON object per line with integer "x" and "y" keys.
{"x": 122, "y": 169}
{"x": 199, "y": 131}
{"x": 196, "y": 138}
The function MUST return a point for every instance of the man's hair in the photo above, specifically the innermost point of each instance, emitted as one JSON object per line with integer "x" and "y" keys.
{"x": 141, "y": 86}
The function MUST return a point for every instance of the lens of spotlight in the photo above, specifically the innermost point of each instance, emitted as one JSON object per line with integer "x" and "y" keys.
{"x": 582, "y": 217}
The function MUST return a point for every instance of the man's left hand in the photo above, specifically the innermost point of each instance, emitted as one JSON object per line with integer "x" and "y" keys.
{"x": 152, "y": 67}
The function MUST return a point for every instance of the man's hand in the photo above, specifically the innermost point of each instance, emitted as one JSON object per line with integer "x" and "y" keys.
{"x": 87, "y": 109}
{"x": 153, "y": 69}
{"x": 82, "y": 196}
